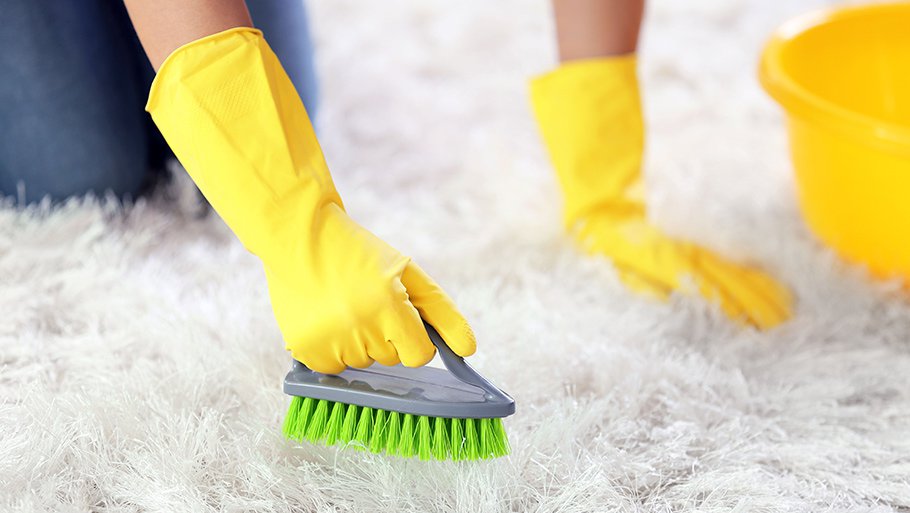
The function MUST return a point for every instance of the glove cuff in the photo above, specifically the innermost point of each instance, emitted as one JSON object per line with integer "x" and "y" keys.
{"x": 234, "y": 120}
{"x": 589, "y": 114}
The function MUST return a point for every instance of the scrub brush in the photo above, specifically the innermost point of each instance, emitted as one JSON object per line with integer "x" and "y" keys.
{"x": 443, "y": 414}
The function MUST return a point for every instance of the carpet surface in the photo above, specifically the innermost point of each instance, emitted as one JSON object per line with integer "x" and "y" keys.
{"x": 140, "y": 366}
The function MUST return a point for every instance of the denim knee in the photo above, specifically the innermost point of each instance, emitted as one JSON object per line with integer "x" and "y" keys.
{"x": 71, "y": 100}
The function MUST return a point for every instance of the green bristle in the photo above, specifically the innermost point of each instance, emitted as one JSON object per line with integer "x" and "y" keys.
{"x": 406, "y": 444}
{"x": 456, "y": 434}
{"x": 440, "y": 438}
{"x": 290, "y": 420}
{"x": 377, "y": 440}
{"x": 349, "y": 424}
{"x": 487, "y": 438}
{"x": 502, "y": 440}
{"x": 333, "y": 427}
{"x": 471, "y": 445}
{"x": 315, "y": 429}
{"x": 424, "y": 438}
{"x": 394, "y": 433}
{"x": 304, "y": 413}
{"x": 364, "y": 428}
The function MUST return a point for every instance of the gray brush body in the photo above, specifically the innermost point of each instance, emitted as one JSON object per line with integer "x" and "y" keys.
{"x": 457, "y": 391}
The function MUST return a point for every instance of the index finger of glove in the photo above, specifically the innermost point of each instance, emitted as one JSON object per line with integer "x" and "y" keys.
{"x": 438, "y": 309}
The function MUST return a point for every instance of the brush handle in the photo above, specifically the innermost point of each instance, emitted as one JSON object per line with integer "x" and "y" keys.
{"x": 460, "y": 368}
{"x": 456, "y": 392}
{"x": 453, "y": 363}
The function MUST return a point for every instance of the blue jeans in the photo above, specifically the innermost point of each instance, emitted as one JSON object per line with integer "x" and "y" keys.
{"x": 73, "y": 86}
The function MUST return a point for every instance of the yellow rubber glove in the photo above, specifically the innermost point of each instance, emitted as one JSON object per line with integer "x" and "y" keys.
{"x": 341, "y": 296}
{"x": 589, "y": 113}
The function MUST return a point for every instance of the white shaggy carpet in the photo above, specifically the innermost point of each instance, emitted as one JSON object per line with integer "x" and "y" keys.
{"x": 140, "y": 367}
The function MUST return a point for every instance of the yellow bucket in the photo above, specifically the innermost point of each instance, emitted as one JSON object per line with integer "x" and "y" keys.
{"x": 843, "y": 78}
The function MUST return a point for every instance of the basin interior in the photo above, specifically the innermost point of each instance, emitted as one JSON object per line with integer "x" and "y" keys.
{"x": 859, "y": 61}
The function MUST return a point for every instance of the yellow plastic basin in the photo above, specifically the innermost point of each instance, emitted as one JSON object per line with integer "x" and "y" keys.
{"x": 843, "y": 78}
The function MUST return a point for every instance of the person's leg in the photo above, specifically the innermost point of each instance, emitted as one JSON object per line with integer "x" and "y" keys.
{"x": 588, "y": 29}
{"x": 589, "y": 114}
{"x": 71, "y": 101}
{"x": 286, "y": 28}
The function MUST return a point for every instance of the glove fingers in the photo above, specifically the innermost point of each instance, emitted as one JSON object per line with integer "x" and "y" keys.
{"x": 642, "y": 282}
{"x": 761, "y": 300}
{"x": 438, "y": 309}
{"x": 646, "y": 261}
{"x": 315, "y": 360}
{"x": 355, "y": 355}
{"x": 404, "y": 330}
{"x": 769, "y": 302}
{"x": 773, "y": 291}
{"x": 383, "y": 352}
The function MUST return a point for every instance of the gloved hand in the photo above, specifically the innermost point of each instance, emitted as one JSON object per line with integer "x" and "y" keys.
{"x": 342, "y": 297}
{"x": 589, "y": 113}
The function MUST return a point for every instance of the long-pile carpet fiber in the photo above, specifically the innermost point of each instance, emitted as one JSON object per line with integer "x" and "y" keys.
{"x": 140, "y": 366}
